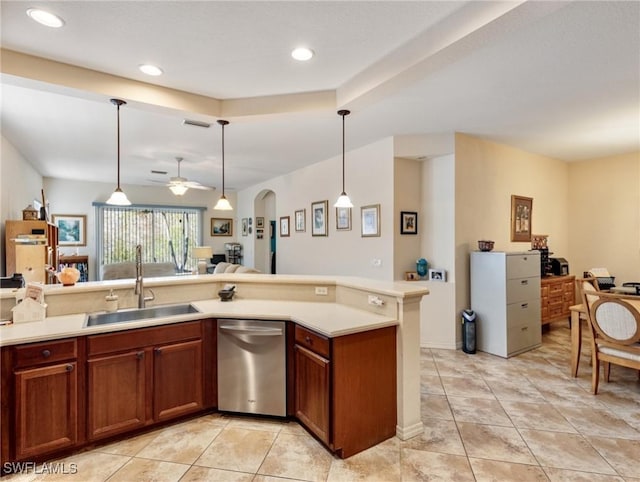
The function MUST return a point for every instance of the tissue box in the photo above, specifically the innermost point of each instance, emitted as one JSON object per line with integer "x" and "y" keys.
{"x": 29, "y": 310}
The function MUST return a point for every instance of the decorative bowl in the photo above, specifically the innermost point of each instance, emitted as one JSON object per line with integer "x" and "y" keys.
{"x": 485, "y": 245}
{"x": 68, "y": 276}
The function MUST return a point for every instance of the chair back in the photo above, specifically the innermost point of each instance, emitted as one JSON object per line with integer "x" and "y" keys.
{"x": 615, "y": 318}
{"x": 585, "y": 287}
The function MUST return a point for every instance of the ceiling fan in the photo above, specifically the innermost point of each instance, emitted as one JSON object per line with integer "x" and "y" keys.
{"x": 179, "y": 185}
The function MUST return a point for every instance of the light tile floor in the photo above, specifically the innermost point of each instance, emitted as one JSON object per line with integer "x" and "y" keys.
{"x": 486, "y": 418}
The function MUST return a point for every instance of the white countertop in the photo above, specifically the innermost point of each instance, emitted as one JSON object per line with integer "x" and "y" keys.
{"x": 329, "y": 319}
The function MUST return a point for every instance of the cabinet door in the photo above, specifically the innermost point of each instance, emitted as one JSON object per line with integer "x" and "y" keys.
{"x": 46, "y": 409}
{"x": 312, "y": 392}
{"x": 177, "y": 380}
{"x": 116, "y": 394}
{"x": 30, "y": 261}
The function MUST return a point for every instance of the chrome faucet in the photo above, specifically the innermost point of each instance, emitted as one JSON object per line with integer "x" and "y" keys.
{"x": 139, "y": 290}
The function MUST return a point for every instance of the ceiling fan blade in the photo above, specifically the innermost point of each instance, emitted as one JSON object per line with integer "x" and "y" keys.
{"x": 197, "y": 185}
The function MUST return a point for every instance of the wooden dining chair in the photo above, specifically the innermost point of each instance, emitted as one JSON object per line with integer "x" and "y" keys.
{"x": 615, "y": 329}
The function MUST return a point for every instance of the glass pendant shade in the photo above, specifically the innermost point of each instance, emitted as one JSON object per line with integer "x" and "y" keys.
{"x": 343, "y": 200}
{"x": 118, "y": 198}
{"x": 223, "y": 203}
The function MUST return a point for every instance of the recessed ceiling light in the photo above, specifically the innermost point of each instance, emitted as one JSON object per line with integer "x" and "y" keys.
{"x": 302, "y": 53}
{"x": 45, "y": 18}
{"x": 150, "y": 69}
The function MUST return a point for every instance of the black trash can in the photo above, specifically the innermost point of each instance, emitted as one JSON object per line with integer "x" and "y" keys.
{"x": 469, "y": 331}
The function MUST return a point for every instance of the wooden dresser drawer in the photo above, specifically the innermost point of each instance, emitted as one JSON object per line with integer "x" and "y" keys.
{"x": 45, "y": 352}
{"x": 313, "y": 341}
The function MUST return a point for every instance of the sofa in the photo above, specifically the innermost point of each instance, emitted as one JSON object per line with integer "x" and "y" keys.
{"x": 225, "y": 267}
{"x": 128, "y": 270}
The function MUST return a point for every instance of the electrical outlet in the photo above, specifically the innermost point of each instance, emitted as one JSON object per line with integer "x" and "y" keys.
{"x": 322, "y": 290}
{"x": 376, "y": 262}
{"x": 375, "y": 300}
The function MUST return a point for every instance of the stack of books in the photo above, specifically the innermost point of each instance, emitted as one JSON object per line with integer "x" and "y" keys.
{"x": 30, "y": 239}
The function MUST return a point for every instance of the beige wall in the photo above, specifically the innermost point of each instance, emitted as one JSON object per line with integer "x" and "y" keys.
{"x": 604, "y": 216}
{"x": 20, "y": 184}
{"x": 407, "y": 189}
{"x": 487, "y": 174}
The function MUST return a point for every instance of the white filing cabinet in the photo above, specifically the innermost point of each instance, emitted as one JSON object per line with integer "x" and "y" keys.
{"x": 505, "y": 294}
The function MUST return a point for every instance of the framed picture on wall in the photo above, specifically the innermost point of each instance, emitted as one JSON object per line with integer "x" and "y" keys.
{"x": 221, "y": 227}
{"x": 408, "y": 222}
{"x": 521, "y": 208}
{"x": 343, "y": 219}
{"x": 245, "y": 226}
{"x": 437, "y": 275}
{"x": 284, "y": 226}
{"x": 370, "y": 220}
{"x": 72, "y": 229}
{"x": 319, "y": 218}
{"x": 259, "y": 222}
{"x": 301, "y": 220}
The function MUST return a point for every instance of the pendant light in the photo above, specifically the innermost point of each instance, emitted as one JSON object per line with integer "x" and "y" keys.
{"x": 118, "y": 198}
{"x": 343, "y": 200}
{"x": 223, "y": 204}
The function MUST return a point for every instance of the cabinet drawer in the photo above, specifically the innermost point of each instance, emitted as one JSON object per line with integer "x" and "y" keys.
{"x": 555, "y": 289}
{"x": 523, "y": 312}
{"x": 523, "y": 289}
{"x": 523, "y": 265}
{"x": 46, "y": 352}
{"x": 523, "y": 336}
{"x": 139, "y": 338}
{"x": 313, "y": 341}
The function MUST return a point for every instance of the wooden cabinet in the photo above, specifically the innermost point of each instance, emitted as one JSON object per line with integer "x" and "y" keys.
{"x": 505, "y": 294}
{"x": 31, "y": 259}
{"x": 116, "y": 387}
{"x": 557, "y": 294}
{"x": 144, "y": 376}
{"x": 40, "y": 382}
{"x": 345, "y": 387}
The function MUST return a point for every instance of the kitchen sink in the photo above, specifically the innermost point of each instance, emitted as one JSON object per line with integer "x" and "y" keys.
{"x": 140, "y": 314}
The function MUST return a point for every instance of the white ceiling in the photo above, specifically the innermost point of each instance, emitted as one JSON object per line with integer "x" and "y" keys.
{"x": 560, "y": 79}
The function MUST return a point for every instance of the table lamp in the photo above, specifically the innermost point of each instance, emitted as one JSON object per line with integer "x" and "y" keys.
{"x": 202, "y": 254}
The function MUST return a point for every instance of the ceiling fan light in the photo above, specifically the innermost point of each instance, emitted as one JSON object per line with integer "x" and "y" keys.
{"x": 150, "y": 70}
{"x": 178, "y": 189}
{"x": 118, "y": 198}
{"x": 343, "y": 201}
{"x": 223, "y": 204}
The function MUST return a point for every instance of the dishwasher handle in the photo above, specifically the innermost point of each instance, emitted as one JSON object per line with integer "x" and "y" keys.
{"x": 252, "y": 330}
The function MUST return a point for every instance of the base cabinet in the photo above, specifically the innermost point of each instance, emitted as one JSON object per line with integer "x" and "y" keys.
{"x": 142, "y": 377}
{"x": 41, "y": 407}
{"x": 116, "y": 394}
{"x": 557, "y": 294}
{"x": 345, "y": 388}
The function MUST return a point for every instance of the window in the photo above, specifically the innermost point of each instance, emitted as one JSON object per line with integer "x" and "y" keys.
{"x": 167, "y": 234}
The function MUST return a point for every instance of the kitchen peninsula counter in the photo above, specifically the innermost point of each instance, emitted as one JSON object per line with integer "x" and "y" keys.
{"x": 332, "y": 306}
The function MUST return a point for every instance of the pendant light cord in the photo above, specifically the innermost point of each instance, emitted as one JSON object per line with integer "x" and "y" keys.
{"x": 118, "y": 137}
{"x": 343, "y": 113}
{"x": 223, "y": 123}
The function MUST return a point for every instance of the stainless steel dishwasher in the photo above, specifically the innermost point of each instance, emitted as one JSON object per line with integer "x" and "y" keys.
{"x": 252, "y": 367}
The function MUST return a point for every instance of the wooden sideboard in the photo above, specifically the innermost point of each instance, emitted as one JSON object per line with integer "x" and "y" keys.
{"x": 557, "y": 294}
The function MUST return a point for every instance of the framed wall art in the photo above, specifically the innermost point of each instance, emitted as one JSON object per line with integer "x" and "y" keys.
{"x": 245, "y": 226}
{"x": 301, "y": 220}
{"x": 72, "y": 229}
{"x": 284, "y": 226}
{"x": 221, "y": 227}
{"x": 343, "y": 219}
{"x": 370, "y": 215}
{"x": 521, "y": 208}
{"x": 260, "y": 222}
{"x": 319, "y": 218}
{"x": 408, "y": 222}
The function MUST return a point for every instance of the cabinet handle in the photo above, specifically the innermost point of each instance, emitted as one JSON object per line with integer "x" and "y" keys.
{"x": 308, "y": 339}
{"x": 524, "y": 305}
{"x": 524, "y": 282}
{"x": 525, "y": 328}
{"x": 140, "y": 355}
{"x": 69, "y": 367}
{"x": 157, "y": 351}
{"x": 46, "y": 353}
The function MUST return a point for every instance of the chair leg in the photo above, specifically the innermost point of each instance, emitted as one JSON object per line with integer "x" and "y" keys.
{"x": 607, "y": 371}
{"x": 595, "y": 374}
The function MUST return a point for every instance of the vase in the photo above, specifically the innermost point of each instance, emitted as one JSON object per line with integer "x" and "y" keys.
{"x": 421, "y": 267}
